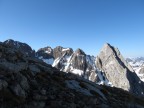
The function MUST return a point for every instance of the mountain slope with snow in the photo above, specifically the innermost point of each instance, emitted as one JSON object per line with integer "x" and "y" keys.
{"x": 28, "y": 82}
{"x": 108, "y": 68}
{"x": 137, "y": 64}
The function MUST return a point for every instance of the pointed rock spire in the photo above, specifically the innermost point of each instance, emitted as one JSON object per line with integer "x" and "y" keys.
{"x": 117, "y": 70}
{"x": 80, "y": 52}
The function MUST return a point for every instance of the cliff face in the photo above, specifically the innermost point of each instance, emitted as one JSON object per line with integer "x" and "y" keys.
{"x": 118, "y": 71}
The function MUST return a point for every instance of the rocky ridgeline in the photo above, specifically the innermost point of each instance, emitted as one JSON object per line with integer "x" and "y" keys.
{"x": 27, "y": 82}
{"x": 23, "y": 47}
{"x": 108, "y": 68}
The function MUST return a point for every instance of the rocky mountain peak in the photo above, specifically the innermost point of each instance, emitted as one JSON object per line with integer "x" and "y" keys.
{"x": 80, "y": 52}
{"x": 108, "y": 50}
{"x": 67, "y": 51}
{"x": 47, "y": 50}
{"x": 60, "y": 51}
{"x": 10, "y": 41}
{"x": 46, "y": 54}
{"x": 117, "y": 70}
{"x": 57, "y": 52}
{"x": 107, "y": 45}
{"x": 23, "y": 47}
{"x": 17, "y": 44}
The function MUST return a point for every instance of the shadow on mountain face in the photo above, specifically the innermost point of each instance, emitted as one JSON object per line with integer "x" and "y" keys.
{"x": 136, "y": 85}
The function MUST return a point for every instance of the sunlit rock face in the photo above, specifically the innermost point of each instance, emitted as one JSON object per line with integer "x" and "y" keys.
{"x": 117, "y": 70}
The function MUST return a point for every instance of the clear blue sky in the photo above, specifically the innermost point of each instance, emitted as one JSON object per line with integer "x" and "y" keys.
{"x": 85, "y": 24}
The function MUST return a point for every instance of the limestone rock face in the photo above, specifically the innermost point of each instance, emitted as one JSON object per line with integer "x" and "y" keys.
{"x": 110, "y": 62}
{"x": 60, "y": 51}
{"x": 78, "y": 60}
{"x": 117, "y": 70}
{"x": 78, "y": 63}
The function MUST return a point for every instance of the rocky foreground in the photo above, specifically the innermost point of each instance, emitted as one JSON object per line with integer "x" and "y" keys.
{"x": 27, "y": 82}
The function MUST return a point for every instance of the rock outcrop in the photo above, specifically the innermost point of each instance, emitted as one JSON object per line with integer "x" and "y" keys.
{"x": 60, "y": 51}
{"x": 28, "y": 82}
{"x": 78, "y": 63}
{"x": 45, "y": 54}
{"x": 23, "y": 47}
{"x": 118, "y": 71}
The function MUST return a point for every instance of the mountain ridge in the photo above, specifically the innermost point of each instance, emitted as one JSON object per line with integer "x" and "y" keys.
{"x": 28, "y": 82}
{"x": 98, "y": 70}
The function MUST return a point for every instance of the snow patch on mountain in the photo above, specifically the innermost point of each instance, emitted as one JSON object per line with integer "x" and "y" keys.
{"x": 65, "y": 49}
{"x": 137, "y": 64}
{"x": 103, "y": 79}
{"x": 56, "y": 62}
{"x": 48, "y": 61}
{"x": 77, "y": 71}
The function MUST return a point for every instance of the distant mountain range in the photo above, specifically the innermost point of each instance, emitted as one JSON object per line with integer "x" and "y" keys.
{"x": 108, "y": 68}
{"x": 138, "y": 66}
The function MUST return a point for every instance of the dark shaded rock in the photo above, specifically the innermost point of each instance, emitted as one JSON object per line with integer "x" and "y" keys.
{"x": 23, "y": 47}
{"x": 34, "y": 69}
{"x": 17, "y": 90}
{"x": 3, "y": 84}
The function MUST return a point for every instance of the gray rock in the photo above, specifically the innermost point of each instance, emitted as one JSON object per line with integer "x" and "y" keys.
{"x": 16, "y": 88}
{"x": 3, "y": 84}
{"x": 34, "y": 69}
{"x": 59, "y": 51}
{"x": 117, "y": 70}
{"x": 36, "y": 104}
{"x": 11, "y": 67}
{"x": 45, "y": 53}
{"x": 22, "y": 81}
{"x": 43, "y": 92}
{"x": 72, "y": 84}
{"x": 39, "y": 97}
{"x": 0, "y": 54}
{"x": 78, "y": 63}
{"x": 23, "y": 47}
